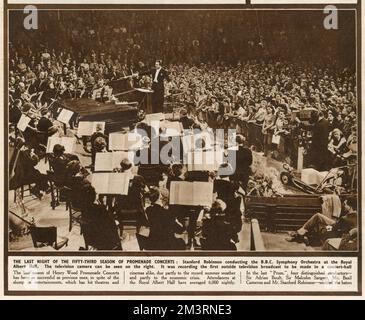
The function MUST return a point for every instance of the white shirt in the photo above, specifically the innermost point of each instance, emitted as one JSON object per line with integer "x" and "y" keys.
{"x": 156, "y": 74}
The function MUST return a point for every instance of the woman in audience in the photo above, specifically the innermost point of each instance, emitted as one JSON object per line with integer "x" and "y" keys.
{"x": 332, "y": 120}
{"x": 337, "y": 147}
{"x": 281, "y": 130}
{"x": 163, "y": 224}
{"x": 267, "y": 128}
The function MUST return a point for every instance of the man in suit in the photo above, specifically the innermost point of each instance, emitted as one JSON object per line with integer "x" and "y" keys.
{"x": 97, "y": 224}
{"x": 243, "y": 163}
{"x": 159, "y": 75}
{"x": 131, "y": 205}
{"x": 217, "y": 233}
{"x": 318, "y": 150}
{"x": 163, "y": 223}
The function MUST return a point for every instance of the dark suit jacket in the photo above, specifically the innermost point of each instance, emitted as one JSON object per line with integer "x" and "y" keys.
{"x": 320, "y": 135}
{"x": 133, "y": 202}
{"x": 44, "y": 124}
{"x": 59, "y": 164}
{"x": 243, "y": 160}
{"x": 162, "y": 227}
{"x": 186, "y": 122}
{"x": 172, "y": 178}
{"x": 318, "y": 151}
{"x": 163, "y": 75}
{"x": 99, "y": 229}
{"x": 217, "y": 234}
{"x": 224, "y": 189}
{"x": 346, "y": 223}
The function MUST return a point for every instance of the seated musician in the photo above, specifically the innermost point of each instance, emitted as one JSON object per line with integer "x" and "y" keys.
{"x": 146, "y": 129}
{"x": 217, "y": 233}
{"x": 162, "y": 223}
{"x": 43, "y": 126}
{"x": 98, "y": 133}
{"x": 24, "y": 162}
{"x": 30, "y": 133}
{"x": 97, "y": 225}
{"x": 59, "y": 160}
{"x": 178, "y": 172}
{"x": 134, "y": 201}
{"x": 44, "y": 123}
{"x": 75, "y": 180}
{"x": 15, "y": 111}
{"x": 223, "y": 187}
{"x": 226, "y": 191}
{"x": 99, "y": 144}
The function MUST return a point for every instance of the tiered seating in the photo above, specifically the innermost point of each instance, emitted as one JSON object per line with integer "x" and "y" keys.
{"x": 282, "y": 213}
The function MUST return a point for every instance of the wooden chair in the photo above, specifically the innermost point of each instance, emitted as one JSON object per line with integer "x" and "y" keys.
{"x": 20, "y": 192}
{"x": 74, "y": 215}
{"x": 56, "y": 187}
{"x": 56, "y": 182}
{"x": 47, "y": 236}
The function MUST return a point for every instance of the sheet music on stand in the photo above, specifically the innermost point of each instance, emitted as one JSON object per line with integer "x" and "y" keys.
{"x": 67, "y": 142}
{"x": 111, "y": 183}
{"x": 65, "y": 116}
{"x": 87, "y": 128}
{"x": 108, "y": 161}
{"x": 23, "y": 122}
{"x": 125, "y": 141}
{"x": 191, "y": 193}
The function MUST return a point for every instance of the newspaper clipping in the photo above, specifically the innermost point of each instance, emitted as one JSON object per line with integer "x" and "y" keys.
{"x": 182, "y": 148}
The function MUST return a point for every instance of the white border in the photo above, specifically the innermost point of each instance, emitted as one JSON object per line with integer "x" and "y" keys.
{"x": 169, "y": 297}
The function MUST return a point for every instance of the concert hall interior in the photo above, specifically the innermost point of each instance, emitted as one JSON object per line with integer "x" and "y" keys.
{"x": 220, "y": 130}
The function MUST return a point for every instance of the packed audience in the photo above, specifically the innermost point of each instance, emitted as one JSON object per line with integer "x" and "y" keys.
{"x": 257, "y": 98}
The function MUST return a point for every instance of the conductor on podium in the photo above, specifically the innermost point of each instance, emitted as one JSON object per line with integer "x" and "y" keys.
{"x": 159, "y": 75}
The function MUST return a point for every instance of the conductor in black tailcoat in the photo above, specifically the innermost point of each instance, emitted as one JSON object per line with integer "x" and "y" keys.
{"x": 159, "y": 75}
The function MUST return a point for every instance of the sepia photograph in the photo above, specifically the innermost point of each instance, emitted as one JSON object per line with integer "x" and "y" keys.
{"x": 181, "y": 130}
